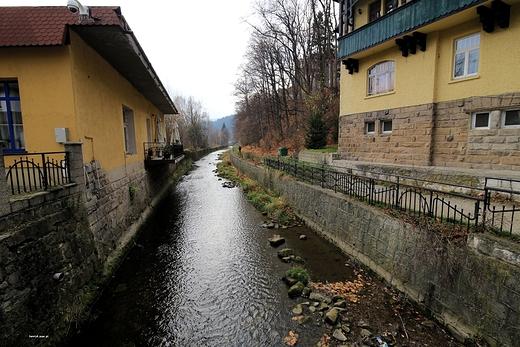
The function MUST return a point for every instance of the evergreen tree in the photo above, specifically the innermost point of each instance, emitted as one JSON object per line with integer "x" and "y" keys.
{"x": 316, "y": 132}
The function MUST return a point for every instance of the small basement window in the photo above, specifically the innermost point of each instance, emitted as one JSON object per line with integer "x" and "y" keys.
{"x": 387, "y": 126}
{"x": 480, "y": 120}
{"x": 370, "y": 127}
{"x": 511, "y": 119}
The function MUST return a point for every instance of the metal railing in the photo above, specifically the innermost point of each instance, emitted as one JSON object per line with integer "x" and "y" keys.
{"x": 502, "y": 213}
{"x": 162, "y": 150}
{"x": 36, "y": 171}
{"x": 468, "y": 207}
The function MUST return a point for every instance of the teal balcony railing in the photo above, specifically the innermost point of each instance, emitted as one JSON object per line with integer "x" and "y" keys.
{"x": 403, "y": 20}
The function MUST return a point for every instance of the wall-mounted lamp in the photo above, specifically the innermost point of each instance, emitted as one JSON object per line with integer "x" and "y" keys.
{"x": 352, "y": 65}
{"x": 359, "y": 11}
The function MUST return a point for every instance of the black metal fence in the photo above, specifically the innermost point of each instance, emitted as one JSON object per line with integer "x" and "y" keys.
{"x": 36, "y": 171}
{"x": 500, "y": 213}
{"x": 469, "y": 207}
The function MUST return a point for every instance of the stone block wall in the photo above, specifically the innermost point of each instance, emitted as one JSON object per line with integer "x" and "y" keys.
{"x": 54, "y": 244}
{"x": 457, "y": 144}
{"x": 408, "y": 143}
{"x": 438, "y": 134}
{"x": 471, "y": 288}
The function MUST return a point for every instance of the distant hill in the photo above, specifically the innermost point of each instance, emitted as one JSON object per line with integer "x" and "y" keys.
{"x": 217, "y": 124}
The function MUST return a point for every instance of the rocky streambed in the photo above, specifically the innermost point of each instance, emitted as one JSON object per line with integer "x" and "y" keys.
{"x": 361, "y": 311}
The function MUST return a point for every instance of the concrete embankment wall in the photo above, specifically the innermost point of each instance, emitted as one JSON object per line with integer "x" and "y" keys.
{"x": 471, "y": 287}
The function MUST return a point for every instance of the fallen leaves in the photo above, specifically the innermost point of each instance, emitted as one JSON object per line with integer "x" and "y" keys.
{"x": 291, "y": 339}
{"x": 348, "y": 290}
{"x": 324, "y": 341}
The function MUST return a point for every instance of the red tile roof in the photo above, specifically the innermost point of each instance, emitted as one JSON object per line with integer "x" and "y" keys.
{"x": 46, "y": 26}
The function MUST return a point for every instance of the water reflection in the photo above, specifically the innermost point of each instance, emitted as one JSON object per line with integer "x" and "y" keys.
{"x": 204, "y": 274}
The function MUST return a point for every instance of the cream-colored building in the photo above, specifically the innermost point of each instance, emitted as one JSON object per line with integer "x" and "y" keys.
{"x": 430, "y": 83}
{"x": 62, "y": 80}
{"x": 79, "y": 90}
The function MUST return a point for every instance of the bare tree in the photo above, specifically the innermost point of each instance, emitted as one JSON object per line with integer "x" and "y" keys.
{"x": 194, "y": 122}
{"x": 291, "y": 71}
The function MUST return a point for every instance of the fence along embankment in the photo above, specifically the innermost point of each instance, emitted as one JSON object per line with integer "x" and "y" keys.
{"x": 469, "y": 285}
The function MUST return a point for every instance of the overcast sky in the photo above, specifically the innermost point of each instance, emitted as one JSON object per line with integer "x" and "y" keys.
{"x": 195, "y": 47}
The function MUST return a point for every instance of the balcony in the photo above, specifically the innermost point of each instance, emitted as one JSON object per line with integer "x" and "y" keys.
{"x": 161, "y": 153}
{"x": 403, "y": 20}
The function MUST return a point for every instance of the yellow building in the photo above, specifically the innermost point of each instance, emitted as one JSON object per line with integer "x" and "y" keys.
{"x": 430, "y": 83}
{"x": 77, "y": 89}
{"x": 90, "y": 82}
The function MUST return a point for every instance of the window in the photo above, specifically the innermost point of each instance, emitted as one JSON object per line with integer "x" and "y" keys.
{"x": 390, "y": 5}
{"x": 480, "y": 120}
{"x": 11, "y": 125}
{"x": 466, "y": 56}
{"x": 387, "y": 126}
{"x": 370, "y": 127}
{"x": 374, "y": 11}
{"x": 511, "y": 119}
{"x": 129, "y": 131}
{"x": 149, "y": 129}
{"x": 381, "y": 78}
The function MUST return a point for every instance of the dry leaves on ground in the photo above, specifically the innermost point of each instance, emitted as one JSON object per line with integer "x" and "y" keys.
{"x": 324, "y": 341}
{"x": 291, "y": 339}
{"x": 348, "y": 290}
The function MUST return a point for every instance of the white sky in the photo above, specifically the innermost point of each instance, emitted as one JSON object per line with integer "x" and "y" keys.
{"x": 195, "y": 47}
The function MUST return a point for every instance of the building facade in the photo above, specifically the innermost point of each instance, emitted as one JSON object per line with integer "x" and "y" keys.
{"x": 81, "y": 86}
{"x": 430, "y": 83}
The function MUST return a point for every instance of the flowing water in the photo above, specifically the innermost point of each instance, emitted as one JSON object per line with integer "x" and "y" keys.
{"x": 203, "y": 274}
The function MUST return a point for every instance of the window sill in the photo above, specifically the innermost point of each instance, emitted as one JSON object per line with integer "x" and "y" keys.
{"x": 463, "y": 79}
{"x": 378, "y": 95}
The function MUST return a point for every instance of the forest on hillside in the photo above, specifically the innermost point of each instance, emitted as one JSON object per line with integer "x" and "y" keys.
{"x": 288, "y": 88}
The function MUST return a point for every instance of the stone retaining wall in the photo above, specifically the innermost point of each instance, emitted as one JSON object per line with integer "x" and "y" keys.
{"x": 471, "y": 288}
{"x": 55, "y": 245}
{"x": 317, "y": 158}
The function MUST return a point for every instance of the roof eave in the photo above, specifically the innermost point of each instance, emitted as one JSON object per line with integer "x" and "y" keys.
{"x": 121, "y": 49}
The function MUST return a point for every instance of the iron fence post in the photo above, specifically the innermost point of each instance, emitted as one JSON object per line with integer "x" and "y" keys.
{"x": 430, "y": 209}
{"x": 67, "y": 165}
{"x": 397, "y": 193}
{"x": 45, "y": 176}
{"x": 477, "y": 208}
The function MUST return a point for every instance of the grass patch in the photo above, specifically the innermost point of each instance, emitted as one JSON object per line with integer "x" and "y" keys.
{"x": 328, "y": 149}
{"x": 298, "y": 274}
{"x": 267, "y": 202}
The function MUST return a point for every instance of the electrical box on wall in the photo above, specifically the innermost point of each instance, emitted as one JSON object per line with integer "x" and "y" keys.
{"x": 61, "y": 134}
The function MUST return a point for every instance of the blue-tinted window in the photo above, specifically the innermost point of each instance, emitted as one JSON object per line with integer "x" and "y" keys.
{"x": 11, "y": 124}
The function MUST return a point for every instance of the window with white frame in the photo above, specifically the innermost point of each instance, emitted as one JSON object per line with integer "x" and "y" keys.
{"x": 129, "y": 130}
{"x": 480, "y": 120}
{"x": 467, "y": 51}
{"x": 381, "y": 78}
{"x": 370, "y": 127}
{"x": 386, "y": 126}
{"x": 511, "y": 119}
